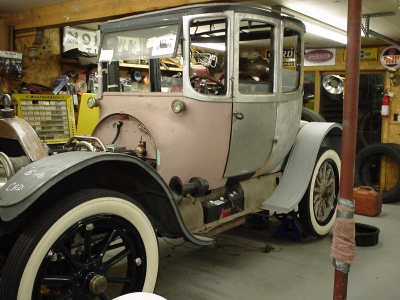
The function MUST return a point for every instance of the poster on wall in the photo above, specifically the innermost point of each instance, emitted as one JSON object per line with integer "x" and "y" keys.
{"x": 320, "y": 57}
{"x": 366, "y": 54}
{"x": 82, "y": 39}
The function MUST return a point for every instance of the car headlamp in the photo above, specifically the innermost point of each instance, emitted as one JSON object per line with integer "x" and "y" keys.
{"x": 178, "y": 106}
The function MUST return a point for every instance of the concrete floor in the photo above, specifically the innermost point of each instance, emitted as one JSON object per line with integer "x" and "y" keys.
{"x": 239, "y": 268}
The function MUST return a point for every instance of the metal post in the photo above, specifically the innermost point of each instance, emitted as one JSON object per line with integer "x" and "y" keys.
{"x": 352, "y": 78}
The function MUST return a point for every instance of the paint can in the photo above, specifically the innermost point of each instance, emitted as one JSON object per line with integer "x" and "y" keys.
{"x": 368, "y": 202}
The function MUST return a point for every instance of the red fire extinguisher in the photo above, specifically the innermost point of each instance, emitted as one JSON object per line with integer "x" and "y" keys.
{"x": 385, "y": 106}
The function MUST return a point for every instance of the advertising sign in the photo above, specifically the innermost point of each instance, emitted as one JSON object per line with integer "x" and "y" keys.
{"x": 289, "y": 58}
{"x": 366, "y": 54}
{"x": 82, "y": 39}
{"x": 320, "y": 57}
{"x": 390, "y": 57}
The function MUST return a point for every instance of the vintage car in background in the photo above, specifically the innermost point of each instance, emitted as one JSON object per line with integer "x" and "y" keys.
{"x": 211, "y": 136}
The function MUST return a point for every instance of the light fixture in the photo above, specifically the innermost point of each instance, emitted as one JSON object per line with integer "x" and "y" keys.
{"x": 93, "y": 102}
{"x": 394, "y": 78}
{"x": 316, "y": 27}
{"x": 326, "y": 33}
{"x": 6, "y": 112}
{"x": 333, "y": 84}
{"x": 178, "y": 106}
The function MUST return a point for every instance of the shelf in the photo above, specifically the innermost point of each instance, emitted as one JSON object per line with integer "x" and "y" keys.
{"x": 137, "y": 66}
{"x": 121, "y": 64}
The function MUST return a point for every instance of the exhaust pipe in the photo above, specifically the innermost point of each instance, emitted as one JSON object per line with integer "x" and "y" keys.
{"x": 196, "y": 187}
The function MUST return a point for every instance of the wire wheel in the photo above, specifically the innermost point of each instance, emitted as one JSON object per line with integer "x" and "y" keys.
{"x": 318, "y": 206}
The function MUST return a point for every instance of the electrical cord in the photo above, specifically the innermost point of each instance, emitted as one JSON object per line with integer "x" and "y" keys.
{"x": 227, "y": 248}
{"x": 119, "y": 125}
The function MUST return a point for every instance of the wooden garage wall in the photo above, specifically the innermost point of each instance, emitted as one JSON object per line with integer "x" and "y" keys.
{"x": 45, "y": 71}
{"x": 73, "y": 13}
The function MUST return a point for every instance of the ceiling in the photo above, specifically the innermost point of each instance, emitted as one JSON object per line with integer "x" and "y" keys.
{"x": 331, "y": 12}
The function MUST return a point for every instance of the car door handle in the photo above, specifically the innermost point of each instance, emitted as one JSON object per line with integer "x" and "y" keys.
{"x": 238, "y": 115}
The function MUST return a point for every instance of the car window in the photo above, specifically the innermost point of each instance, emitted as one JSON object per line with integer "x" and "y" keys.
{"x": 291, "y": 60}
{"x": 254, "y": 67}
{"x": 208, "y": 38}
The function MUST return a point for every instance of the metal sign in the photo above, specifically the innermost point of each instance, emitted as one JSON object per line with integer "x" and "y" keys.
{"x": 390, "y": 57}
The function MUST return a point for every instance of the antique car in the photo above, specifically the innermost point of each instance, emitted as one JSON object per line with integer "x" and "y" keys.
{"x": 211, "y": 136}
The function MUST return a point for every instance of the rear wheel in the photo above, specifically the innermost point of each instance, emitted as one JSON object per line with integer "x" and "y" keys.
{"x": 318, "y": 207}
{"x": 94, "y": 244}
{"x": 310, "y": 115}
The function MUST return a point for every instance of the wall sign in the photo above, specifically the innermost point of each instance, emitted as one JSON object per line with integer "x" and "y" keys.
{"x": 390, "y": 57}
{"x": 366, "y": 54}
{"x": 83, "y": 39}
{"x": 288, "y": 58}
{"x": 320, "y": 57}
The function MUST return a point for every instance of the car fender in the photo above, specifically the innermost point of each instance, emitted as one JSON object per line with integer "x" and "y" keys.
{"x": 39, "y": 177}
{"x": 299, "y": 167}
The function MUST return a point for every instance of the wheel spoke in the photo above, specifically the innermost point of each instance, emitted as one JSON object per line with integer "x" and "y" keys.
{"x": 105, "y": 243}
{"x": 88, "y": 242}
{"x": 67, "y": 254}
{"x": 56, "y": 280}
{"x": 120, "y": 280}
{"x": 112, "y": 261}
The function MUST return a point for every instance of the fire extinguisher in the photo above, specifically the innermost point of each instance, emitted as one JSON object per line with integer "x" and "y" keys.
{"x": 385, "y": 105}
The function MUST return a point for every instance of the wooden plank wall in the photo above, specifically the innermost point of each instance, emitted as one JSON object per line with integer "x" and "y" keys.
{"x": 84, "y": 11}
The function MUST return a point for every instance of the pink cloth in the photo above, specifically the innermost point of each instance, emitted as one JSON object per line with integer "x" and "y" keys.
{"x": 344, "y": 244}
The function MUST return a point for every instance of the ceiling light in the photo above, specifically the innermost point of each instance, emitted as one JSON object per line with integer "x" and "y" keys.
{"x": 317, "y": 27}
{"x": 326, "y": 33}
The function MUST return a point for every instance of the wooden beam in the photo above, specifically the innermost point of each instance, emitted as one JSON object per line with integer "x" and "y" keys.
{"x": 86, "y": 11}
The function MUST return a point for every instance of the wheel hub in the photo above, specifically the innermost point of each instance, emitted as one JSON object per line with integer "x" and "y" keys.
{"x": 98, "y": 284}
{"x": 90, "y": 280}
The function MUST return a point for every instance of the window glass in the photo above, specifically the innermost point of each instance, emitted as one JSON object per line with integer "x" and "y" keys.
{"x": 208, "y": 38}
{"x": 255, "y": 76}
{"x": 291, "y": 61}
{"x": 142, "y": 44}
{"x": 309, "y": 93}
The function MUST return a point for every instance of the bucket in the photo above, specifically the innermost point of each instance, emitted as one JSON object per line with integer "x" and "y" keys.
{"x": 368, "y": 202}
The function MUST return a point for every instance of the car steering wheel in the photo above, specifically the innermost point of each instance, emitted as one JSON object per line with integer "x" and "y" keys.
{"x": 200, "y": 76}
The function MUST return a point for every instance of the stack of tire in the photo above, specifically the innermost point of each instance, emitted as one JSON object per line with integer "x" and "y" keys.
{"x": 366, "y": 160}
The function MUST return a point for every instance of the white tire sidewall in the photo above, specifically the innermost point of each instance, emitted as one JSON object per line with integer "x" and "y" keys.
{"x": 106, "y": 205}
{"x": 332, "y": 155}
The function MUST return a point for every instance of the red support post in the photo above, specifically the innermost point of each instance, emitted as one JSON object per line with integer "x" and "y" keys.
{"x": 352, "y": 79}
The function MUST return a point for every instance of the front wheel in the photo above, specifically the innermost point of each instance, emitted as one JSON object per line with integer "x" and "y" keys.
{"x": 94, "y": 244}
{"x": 317, "y": 209}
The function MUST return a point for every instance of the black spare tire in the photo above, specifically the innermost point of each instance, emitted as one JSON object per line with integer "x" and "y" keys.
{"x": 367, "y": 167}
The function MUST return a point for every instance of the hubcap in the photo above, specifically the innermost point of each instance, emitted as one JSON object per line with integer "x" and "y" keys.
{"x": 98, "y": 284}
